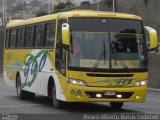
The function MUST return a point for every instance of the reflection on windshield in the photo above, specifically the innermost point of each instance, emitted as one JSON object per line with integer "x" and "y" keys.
{"x": 121, "y": 46}
{"x": 127, "y": 47}
{"x": 125, "y": 42}
{"x": 88, "y": 46}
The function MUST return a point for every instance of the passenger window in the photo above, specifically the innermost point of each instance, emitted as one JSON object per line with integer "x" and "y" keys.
{"x": 50, "y": 34}
{"x": 39, "y": 33}
{"x": 29, "y": 37}
{"x": 12, "y": 42}
{"x": 20, "y": 39}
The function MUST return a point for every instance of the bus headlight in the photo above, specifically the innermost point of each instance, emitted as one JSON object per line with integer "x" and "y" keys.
{"x": 140, "y": 83}
{"x": 77, "y": 82}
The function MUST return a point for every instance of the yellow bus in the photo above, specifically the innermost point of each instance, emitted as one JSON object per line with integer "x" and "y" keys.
{"x": 79, "y": 56}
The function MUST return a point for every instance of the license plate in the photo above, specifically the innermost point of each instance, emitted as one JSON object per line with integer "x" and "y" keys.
{"x": 110, "y": 93}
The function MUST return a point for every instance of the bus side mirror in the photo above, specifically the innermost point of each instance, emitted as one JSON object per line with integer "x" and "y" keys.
{"x": 65, "y": 34}
{"x": 152, "y": 37}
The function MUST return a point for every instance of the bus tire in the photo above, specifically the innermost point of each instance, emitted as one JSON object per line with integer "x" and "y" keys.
{"x": 21, "y": 94}
{"x": 58, "y": 104}
{"x": 116, "y": 105}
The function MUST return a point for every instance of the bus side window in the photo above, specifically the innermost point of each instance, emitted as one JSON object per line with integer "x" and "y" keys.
{"x": 7, "y": 38}
{"x": 13, "y": 38}
{"x": 50, "y": 34}
{"x": 20, "y": 39}
{"x": 29, "y": 37}
{"x": 39, "y": 36}
{"x": 60, "y": 51}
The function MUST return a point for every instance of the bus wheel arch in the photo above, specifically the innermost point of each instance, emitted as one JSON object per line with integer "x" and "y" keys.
{"x": 50, "y": 85}
{"x": 21, "y": 94}
{"x": 52, "y": 93}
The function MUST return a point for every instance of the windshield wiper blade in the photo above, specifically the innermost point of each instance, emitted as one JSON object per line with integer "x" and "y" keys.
{"x": 102, "y": 54}
{"x": 114, "y": 52}
{"x": 98, "y": 61}
{"x": 124, "y": 64}
{"x": 121, "y": 60}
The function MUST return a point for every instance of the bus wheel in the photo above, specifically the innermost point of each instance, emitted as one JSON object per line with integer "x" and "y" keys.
{"x": 56, "y": 103}
{"x": 116, "y": 105}
{"x": 21, "y": 94}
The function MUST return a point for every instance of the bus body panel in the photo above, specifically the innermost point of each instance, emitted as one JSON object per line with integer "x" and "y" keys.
{"x": 79, "y": 94}
{"x": 35, "y": 73}
{"x": 101, "y": 84}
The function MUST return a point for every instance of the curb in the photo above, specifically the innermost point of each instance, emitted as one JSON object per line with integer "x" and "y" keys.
{"x": 153, "y": 90}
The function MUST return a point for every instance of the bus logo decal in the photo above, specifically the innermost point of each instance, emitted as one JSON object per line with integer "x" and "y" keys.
{"x": 115, "y": 83}
{"x": 31, "y": 63}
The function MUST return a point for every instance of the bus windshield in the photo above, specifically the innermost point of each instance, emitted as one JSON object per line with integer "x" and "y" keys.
{"x": 107, "y": 43}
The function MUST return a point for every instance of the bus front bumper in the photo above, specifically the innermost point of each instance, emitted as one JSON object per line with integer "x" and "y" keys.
{"x": 97, "y": 94}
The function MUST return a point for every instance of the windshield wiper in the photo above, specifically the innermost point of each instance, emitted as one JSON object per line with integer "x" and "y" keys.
{"x": 114, "y": 52}
{"x": 116, "y": 55}
{"x": 102, "y": 55}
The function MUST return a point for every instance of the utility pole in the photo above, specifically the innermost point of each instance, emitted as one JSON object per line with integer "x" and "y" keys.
{"x": 52, "y": 1}
{"x": 59, "y": 2}
{"x": 6, "y": 10}
{"x": 68, "y": 5}
{"x": 49, "y": 7}
{"x": 3, "y": 19}
{"x": 23, "y": 9}
{"x": 114, "y": 5}
{"x": 4, "y": 14}
{"x": 59, "y": 5}
{"x": 98, "y": 2}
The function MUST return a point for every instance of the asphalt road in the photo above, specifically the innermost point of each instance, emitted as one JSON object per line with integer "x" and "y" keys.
{"x": 9, "y": 103}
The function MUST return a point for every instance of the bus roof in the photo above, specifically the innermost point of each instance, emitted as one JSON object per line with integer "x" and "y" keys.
{"x": 92, "y": 13}
{"x": 73, "y": 13}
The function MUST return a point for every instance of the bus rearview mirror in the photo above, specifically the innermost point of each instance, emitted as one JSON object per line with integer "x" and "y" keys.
{"x": 65, "y": 34}
{"x": 152, "y": 37}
